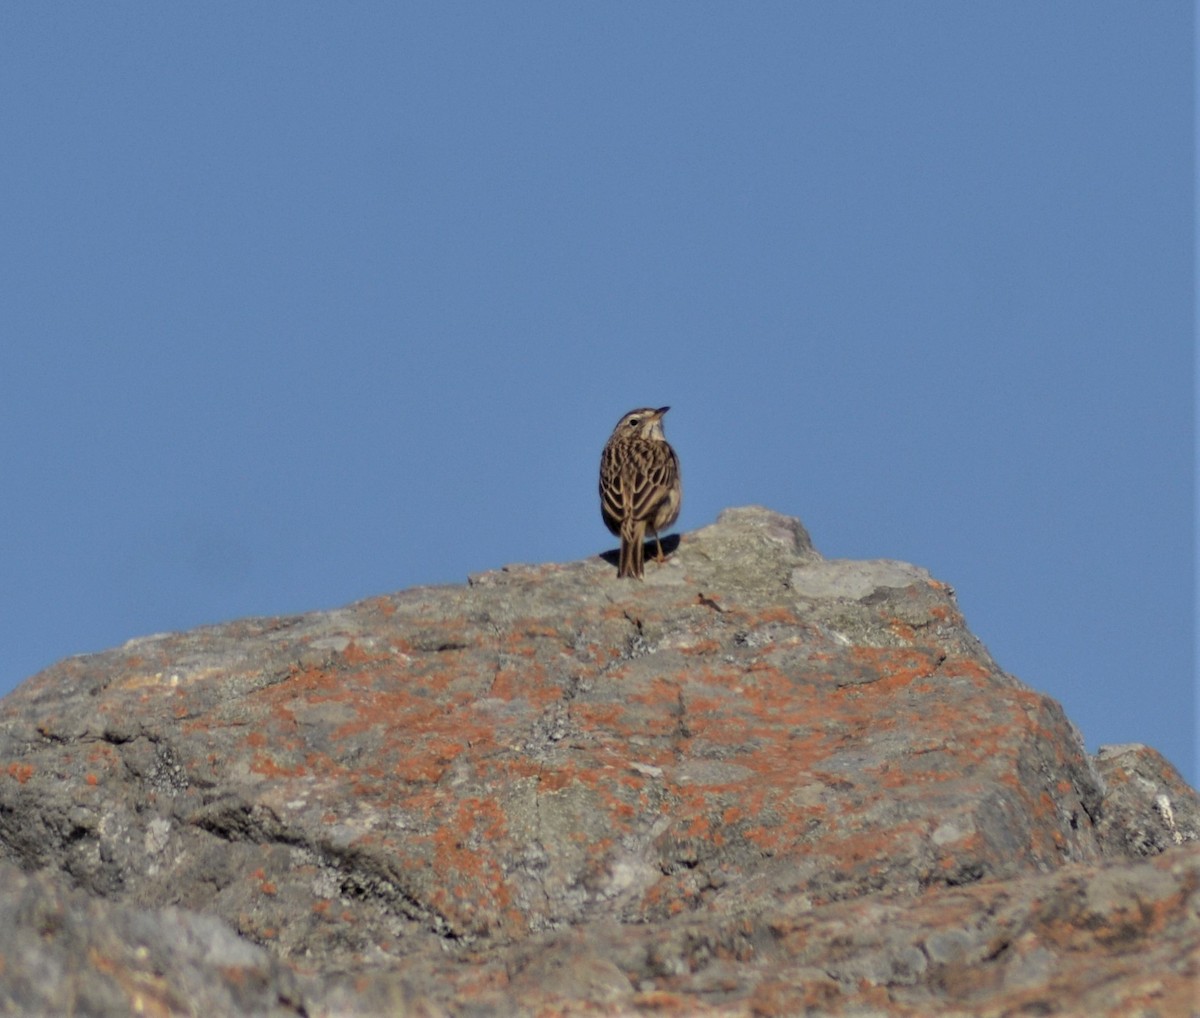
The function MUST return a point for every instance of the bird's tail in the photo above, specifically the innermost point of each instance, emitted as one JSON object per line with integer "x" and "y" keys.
{"x": 633, "y": 538}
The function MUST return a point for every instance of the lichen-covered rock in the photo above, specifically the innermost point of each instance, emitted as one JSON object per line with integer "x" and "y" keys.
{"x": 553, "y": 784}
{"x": 63, "y": 952}
{"x": 1148, "y": 807}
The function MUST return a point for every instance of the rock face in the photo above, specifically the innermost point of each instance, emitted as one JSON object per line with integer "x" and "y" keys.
{"x": 760, "y": 782}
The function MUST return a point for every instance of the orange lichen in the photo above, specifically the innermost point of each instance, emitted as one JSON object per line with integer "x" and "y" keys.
{"x": 779, "y": 614}
{"x": 263, "y": 764}
{"x": 21, "y": 771}
{"x": 356, "y": 655}
{"x": 956, "y": 666}
{"x": 702, "y": 647}
{"x": 383, "y": 606}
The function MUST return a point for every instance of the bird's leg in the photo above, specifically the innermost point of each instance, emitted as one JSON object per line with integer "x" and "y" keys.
{"x": 658, "y": 544}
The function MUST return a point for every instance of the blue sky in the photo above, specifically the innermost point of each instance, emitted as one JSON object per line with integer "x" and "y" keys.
{"x": 305, "y": 303}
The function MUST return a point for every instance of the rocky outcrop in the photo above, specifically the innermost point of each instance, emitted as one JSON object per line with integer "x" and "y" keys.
{"x": 1147, "y": 805}
{"x": 65, "y": 952}
{"x": 760, "y": 782}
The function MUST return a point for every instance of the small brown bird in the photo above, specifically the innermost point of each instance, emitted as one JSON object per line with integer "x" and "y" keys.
{"x": 639, "y": 485}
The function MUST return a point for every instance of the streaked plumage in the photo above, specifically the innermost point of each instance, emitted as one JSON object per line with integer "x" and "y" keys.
{"x": 639, "y": 485}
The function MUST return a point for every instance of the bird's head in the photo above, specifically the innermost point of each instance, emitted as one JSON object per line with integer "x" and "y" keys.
{"x": 645, "y": 423}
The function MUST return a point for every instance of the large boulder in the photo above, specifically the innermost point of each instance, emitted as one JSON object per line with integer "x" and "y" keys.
{"x": 760, "y": 780}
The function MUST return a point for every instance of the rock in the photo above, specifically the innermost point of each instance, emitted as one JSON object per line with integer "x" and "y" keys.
{"x": 65, "y": 952}
{"x": 759, "y": 782}
{"x": 1147, "y": 807}
{"x": 1083, "y": 940}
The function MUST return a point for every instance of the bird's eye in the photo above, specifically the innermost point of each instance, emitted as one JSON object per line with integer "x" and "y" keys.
{"x": 633, "y": 421}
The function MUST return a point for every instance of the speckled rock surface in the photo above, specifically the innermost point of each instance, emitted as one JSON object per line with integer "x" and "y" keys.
{"x": 552, "y": 789}
{"x": 65, "y": 952}
{"x": 1148, "y": 807}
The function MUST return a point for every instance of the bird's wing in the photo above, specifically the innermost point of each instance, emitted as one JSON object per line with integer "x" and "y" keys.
{"x": 652, "y": 479}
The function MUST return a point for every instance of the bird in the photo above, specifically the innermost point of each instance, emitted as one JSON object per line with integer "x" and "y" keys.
{"x": 639, "y": 485}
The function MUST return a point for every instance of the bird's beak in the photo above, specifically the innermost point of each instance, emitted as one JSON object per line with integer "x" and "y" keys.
{"x": 662, "y": 410}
